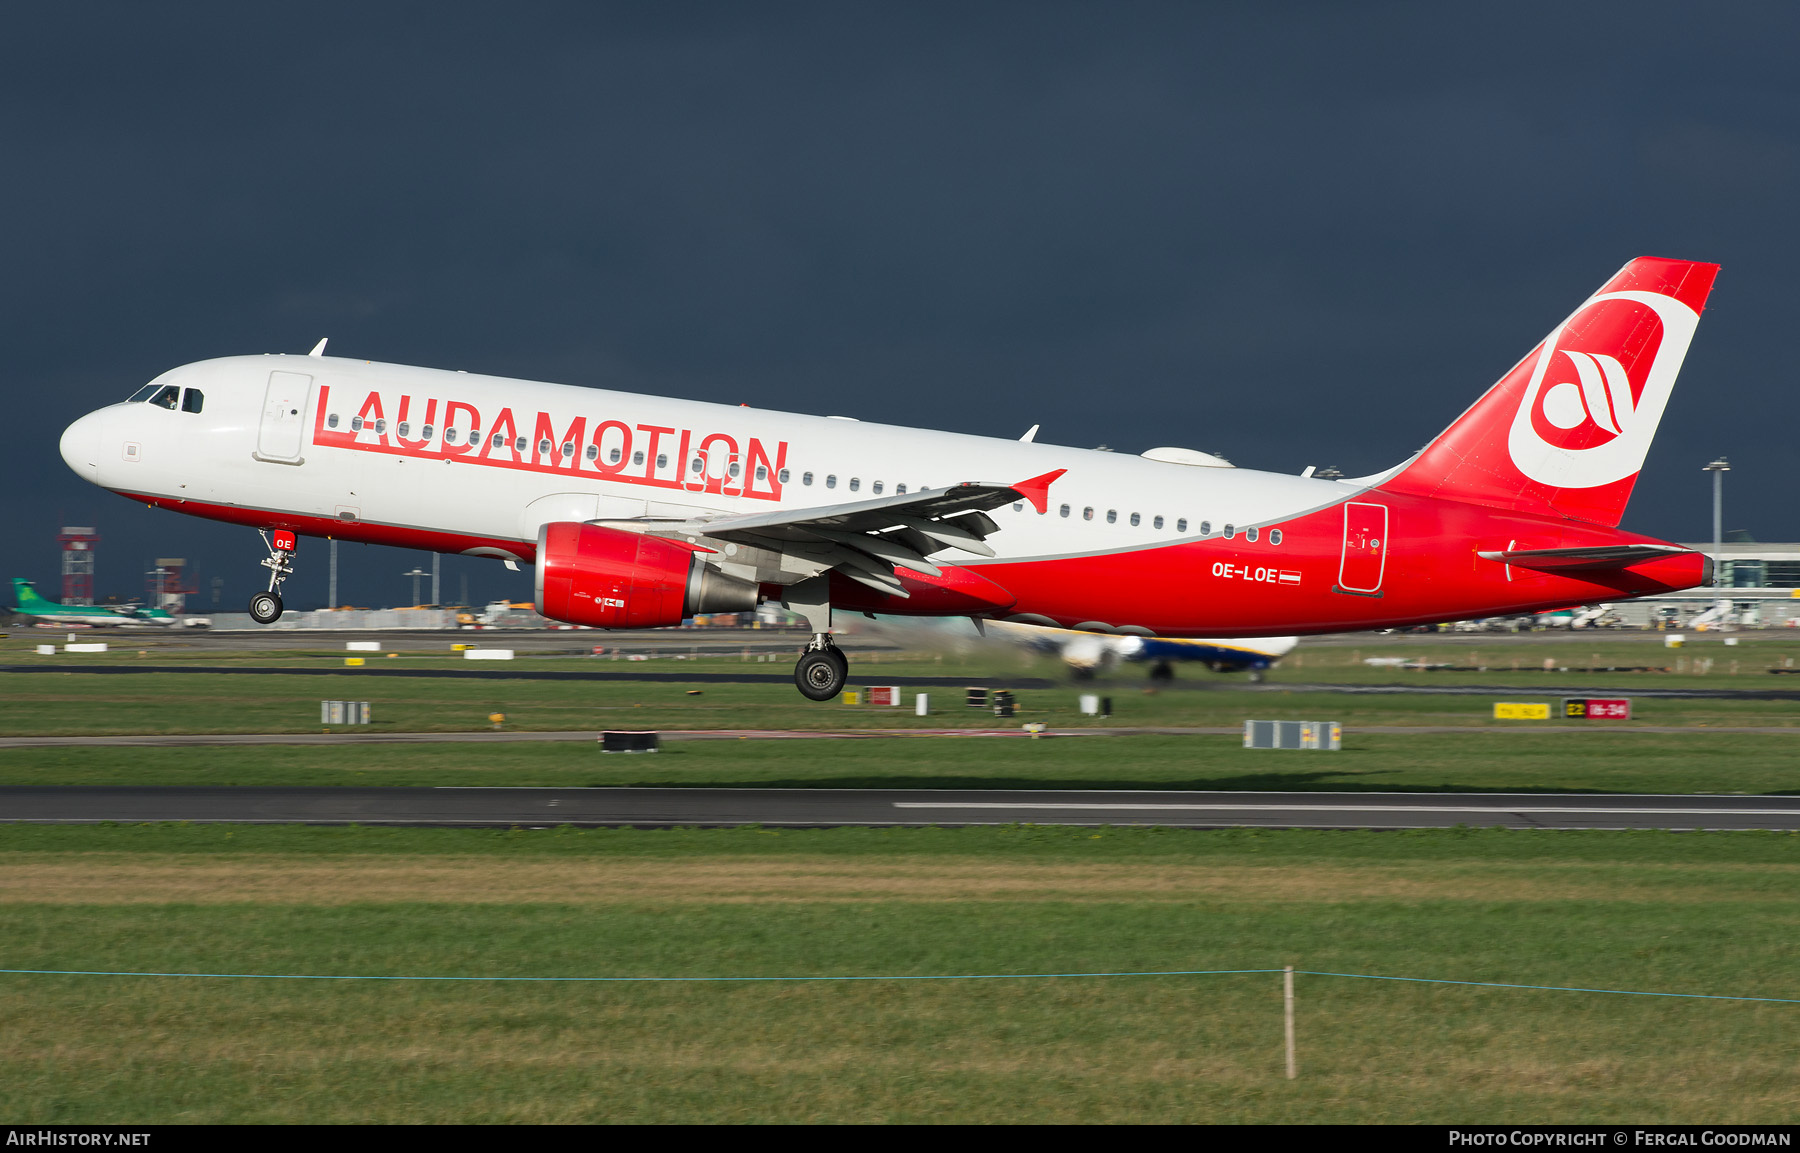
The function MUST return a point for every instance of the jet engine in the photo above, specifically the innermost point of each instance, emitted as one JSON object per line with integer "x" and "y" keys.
{"x": 610, "y": 579}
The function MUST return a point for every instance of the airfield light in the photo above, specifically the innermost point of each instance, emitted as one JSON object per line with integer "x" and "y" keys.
{"x": 416, "y": 574}
{"x": 1718, "y": 468}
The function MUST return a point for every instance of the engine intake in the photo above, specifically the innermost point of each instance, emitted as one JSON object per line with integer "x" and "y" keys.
{"x": 610, "y": 579}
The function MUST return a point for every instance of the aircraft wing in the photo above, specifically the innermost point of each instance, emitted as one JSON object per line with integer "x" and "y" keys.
{"x": 1599, "y": 557}
{"x": 868, "y": 540}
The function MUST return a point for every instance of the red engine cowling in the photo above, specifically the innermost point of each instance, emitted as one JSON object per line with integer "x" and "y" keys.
{"x": 588, "y": 575}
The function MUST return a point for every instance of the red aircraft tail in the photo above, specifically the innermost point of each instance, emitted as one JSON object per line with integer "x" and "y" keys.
{"x": 1565, "y": 432}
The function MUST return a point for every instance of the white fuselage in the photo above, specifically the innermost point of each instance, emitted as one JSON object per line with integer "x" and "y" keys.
{"x": 307, "y": 461}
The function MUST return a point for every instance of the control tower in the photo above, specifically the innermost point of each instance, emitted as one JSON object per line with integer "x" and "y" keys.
{"x": 78, "y": 545}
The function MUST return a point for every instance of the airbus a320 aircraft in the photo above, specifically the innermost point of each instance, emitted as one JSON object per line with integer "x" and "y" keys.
{"x": 640, "y": 511}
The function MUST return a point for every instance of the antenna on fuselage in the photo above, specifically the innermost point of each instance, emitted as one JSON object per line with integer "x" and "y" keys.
{"x": 319, "y": 348}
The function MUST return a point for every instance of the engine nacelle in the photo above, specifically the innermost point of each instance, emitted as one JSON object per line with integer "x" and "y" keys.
{"x": 610, "y": 579}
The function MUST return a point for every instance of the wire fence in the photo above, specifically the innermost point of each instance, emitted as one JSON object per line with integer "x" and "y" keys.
{"x": 895, "y": 977}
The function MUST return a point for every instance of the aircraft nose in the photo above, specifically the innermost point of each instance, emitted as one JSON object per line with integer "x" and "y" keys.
{"x": 81, "y": 447}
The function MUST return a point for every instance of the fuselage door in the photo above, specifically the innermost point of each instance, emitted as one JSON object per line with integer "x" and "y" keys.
{"x": 281, "y": 434}
{"x": 1365, "y": 548}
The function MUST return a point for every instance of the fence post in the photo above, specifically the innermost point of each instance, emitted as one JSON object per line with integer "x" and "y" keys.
{"x": 1287, "y": 991}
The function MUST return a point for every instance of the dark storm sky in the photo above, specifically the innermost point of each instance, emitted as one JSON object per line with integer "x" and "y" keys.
{"x": 1292, "y": 234}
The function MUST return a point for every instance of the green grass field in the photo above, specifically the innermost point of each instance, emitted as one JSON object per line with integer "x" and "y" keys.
{"x": 1582, "y": 756}
{"x": 1696, "y": 762}
{"x": 222, "y": 703}
{"x": 1693, "y": 913}
{"x": 1706, "y": 913}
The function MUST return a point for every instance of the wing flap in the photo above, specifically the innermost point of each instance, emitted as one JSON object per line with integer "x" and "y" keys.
{"x": 867, "y": 515}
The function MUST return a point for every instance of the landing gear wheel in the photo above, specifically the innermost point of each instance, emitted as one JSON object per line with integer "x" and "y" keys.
{"x": 821, "y": 673}
{"x": 265, "y": 608}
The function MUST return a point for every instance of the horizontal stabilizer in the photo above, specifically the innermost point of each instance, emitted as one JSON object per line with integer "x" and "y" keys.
{"x": 1598, "y": 557}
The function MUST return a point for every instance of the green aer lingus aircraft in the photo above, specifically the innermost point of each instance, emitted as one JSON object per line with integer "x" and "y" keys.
{"x": 28, "y": 603}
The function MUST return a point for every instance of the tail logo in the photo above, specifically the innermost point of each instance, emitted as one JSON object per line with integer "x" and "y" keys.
{"x": 1598, "y": 390}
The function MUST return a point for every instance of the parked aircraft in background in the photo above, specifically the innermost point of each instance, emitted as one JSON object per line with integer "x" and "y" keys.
{"x": 640, "y": 511}
{"x": 27, "y": 603}
{"x": 1087, "y": 654}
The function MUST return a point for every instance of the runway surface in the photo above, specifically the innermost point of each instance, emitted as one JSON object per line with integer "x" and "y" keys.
{"x": 654, "y": 807}
{"x": 589, "y": 736}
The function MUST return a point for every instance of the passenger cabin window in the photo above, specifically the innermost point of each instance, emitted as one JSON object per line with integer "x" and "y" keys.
{"x": 611, "y": 457}
{"x": 192, "y": 400}
{"x": 855, "y": 483}
{"x": 1087, "y": 514}
{"x": 806, "y": 478}
{"x": 899, "y": 490}
{"x": 331, "y": 421}
{"x": 1134, "y": 520}
{"x": 1230, "y": 531}
{"x": 662, "y": 460}
{"x": 1205, "y": 527}
{"x": 1274, "y": 536}
{"x": 519, "y": 445}
{"x": 449, "y": 436}
{"x": 830, "y": 480}
{"x": 544, "y": 445}
{"x": 569, "y": 450}
{"x": 875, "y": 488}
{"x": 637, "y": 458}
{"x": 381, "y": 428}
{"x": 1157, "y": 523}
{"x": 426, "y": 432}
{"x": 593, "y": 452}
{"x": 1250, "y": 534}
{"x": 762, "y": 472}
{"x": 356, "y": 423}
{"x": 1181, "y": 526}
{"x": 1112, "y": 516}
{"x": 1063, "y": 511}
{"x": 733, "y": 470}
{"x": 405, "y": 428}
{"x": 168, "y": 396}
{"x": 782, "y": 476}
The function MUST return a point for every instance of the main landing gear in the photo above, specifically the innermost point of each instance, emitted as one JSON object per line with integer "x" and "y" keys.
{"x": 265, "y": 607}
{"x": 822, "y": 670}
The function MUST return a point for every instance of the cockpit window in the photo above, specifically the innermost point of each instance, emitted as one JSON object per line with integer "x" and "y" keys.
{"x": 192, "y": 400}
{"x": 142, "y": 394}
{"x": 168, "y": 396}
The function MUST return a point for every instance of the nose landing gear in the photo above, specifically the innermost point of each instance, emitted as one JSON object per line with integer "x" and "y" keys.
{"x": 822, "y": 670}
{"x": 265, "y": 607}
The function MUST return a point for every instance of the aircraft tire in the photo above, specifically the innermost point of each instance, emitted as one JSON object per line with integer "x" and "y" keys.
{"x": 821, "y": 673}
{"x": 265, "y": 608}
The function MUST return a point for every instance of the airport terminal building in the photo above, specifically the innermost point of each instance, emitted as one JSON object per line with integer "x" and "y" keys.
{"x": 1762, "y": 581}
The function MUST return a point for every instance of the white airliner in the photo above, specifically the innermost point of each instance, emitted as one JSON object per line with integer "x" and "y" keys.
{"x": 1087, "y": 654}
{"x": 640, "y": 511}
